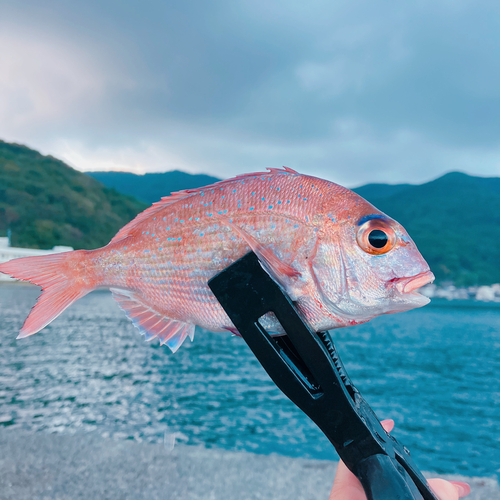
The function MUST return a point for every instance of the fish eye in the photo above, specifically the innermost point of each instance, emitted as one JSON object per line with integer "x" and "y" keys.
{"x": 376, "y": 236}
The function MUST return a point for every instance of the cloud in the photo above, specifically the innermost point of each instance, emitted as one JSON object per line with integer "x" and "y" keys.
{"x": 363, "y": 92}
{"x": 52, "y": 86}
{"x": 44, "y": 80}
{"x": 138, "y": 158}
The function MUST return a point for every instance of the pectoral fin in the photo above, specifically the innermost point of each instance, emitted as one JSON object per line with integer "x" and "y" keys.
{"x": 265, "y": 255}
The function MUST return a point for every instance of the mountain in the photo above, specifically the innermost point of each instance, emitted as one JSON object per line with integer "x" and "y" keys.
{"x": 374, "y": 192}
{"x": 454, "y": 220}
{"x": 152, "y": 187}
{"x": 45, "y": 202}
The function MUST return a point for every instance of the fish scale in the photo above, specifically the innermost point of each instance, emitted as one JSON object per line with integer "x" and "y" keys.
{"x": 303, "y": 229}
{"x": 203, "y": 228}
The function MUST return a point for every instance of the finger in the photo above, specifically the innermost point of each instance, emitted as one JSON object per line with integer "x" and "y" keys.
{"x": 388, "y": 424}
{"x": 346, "y": 485}
{"x": 446, "y": 489}
{"x": 463, "y": 488}
{"x": 449, "y": 490}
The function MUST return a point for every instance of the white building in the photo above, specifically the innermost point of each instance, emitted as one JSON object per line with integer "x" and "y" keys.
{"x": 8, "y": 253}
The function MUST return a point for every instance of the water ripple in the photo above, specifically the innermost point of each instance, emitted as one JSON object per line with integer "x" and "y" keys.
{"x": 435, "y": 371}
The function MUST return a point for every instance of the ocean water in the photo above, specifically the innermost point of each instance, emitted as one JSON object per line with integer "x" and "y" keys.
{"x": 435, "y": 371}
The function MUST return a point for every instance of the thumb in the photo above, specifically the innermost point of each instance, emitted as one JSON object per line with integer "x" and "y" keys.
{"x": 449, "y": 490}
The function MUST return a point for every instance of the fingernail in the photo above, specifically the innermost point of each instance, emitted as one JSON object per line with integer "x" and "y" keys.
{"x": 462, "y": 488}
{"x": 388, "y": 424}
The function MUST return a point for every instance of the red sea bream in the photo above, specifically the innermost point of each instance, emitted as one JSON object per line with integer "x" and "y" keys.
{"x": 342, "y": 260}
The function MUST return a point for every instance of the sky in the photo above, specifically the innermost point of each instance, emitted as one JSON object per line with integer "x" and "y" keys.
{"x": 351, "y": 91}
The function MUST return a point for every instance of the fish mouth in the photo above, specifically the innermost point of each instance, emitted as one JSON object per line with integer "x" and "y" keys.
{"x": 409, "y": 285}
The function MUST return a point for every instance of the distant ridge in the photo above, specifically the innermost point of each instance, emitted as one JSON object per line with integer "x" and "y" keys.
{"x": 45, "y": 202}
{"x": 377, "y": 191}
{"x": 152, "y": 187}
{"x": 454, "y": 220}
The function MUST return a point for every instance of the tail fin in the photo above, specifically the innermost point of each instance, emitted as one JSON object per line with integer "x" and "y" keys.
{"x": 57, "y": 275}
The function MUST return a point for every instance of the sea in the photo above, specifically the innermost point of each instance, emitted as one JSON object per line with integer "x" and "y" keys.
{"x": 435, "y": 371}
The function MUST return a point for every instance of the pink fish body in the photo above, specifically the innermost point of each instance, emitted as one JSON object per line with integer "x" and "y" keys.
{"x": 343, "y": 261}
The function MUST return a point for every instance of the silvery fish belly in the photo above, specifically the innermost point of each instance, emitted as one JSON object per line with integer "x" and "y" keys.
{"x": 342, "y": 260}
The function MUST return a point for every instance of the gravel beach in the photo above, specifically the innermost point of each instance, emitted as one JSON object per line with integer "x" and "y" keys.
{"x": 36, "y": 466}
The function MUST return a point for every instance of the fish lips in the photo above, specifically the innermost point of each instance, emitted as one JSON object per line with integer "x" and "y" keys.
{"x": 408, "y": 285}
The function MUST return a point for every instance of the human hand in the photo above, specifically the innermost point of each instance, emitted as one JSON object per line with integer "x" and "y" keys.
{"x": 347, "y": 486}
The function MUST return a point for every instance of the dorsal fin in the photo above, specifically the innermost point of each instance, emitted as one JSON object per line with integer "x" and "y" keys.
{"x": 186, "y": 193}
{"x": 154, "y": 208}
{"x": 283, "y": 170}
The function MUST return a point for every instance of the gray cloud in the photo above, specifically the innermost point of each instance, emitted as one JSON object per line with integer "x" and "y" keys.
{"x": 353, "y": 91}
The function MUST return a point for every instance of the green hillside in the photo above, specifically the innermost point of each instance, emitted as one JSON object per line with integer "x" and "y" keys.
{"x": 374, "y": 192}
{"x": 152, "y": 187}
{"x": 45, "y": 202}
{"x": 455, "y": 222}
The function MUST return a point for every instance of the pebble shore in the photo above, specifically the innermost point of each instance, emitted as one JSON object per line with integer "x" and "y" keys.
{"x": 40, "y": 466}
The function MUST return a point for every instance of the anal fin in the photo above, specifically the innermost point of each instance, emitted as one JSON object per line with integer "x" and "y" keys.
{"x": 151, "y": 323}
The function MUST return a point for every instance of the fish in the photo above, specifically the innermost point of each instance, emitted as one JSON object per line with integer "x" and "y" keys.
{"x": 341, "y": 260}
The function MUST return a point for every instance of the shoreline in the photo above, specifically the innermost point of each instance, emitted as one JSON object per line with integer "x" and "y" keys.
{"x": 73, "y": 466}
{"x": 483, "y": 293}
